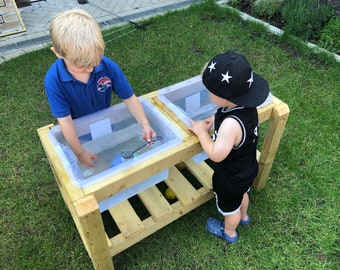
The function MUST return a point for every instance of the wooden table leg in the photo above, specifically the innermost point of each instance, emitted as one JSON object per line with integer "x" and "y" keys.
{"x": 271, "y": 143}
{"x": 92, "y": 232}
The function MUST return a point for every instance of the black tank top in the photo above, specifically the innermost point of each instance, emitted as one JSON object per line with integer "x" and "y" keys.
{"x": 240, "y": 167}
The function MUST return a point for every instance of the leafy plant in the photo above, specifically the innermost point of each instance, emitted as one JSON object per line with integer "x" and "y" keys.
{"x": 306, "y": 18}
{"x": 330, "y": 36}
{"x": 234, "y": 2}
{"x": 241, "y": 4}
{"x": 267, "y": 8}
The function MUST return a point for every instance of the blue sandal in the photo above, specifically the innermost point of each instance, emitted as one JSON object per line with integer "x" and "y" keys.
{"x": 215, "y": 227}
{"x": 245, "y": 222}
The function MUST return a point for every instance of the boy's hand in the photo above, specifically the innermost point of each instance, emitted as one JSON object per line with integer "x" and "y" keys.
{"x": 136, "y": 109}
{"x": 148, "y": 133}
{"x": 201, "y": 126}
{"x": 86, "y": 158}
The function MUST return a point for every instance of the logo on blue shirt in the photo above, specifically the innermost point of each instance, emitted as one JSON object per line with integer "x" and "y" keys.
{"x": 103, "y": 84}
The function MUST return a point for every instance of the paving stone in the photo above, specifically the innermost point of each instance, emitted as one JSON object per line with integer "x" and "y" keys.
{"x": 38, "y": 15}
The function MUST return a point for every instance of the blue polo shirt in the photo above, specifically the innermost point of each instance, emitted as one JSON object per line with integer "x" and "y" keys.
{"x": 68, "y": 96}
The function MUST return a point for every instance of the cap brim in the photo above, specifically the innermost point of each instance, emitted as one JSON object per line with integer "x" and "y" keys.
{"x": 268, "y": 100}
{"x": 257, "y": 94}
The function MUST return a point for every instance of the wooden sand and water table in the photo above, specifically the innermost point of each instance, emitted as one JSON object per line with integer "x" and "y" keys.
{"x": 83, "y": 202}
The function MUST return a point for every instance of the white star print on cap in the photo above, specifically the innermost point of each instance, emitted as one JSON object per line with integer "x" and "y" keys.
{"x": 226, "y": 77}
{"x": 212, "y": 66}
{"x": 250, "y": 79}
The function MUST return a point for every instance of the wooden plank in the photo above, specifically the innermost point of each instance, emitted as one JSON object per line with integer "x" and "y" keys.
{"x": 126, "y": 219}
{"x": 10, "y": 23}
{"x": 202, "y": 171}
{"x": 92, "y": 232}
{"x": 10, "y": 18}
{"x": 183, "y": 190}
{"x": 265, "y": 112}
{"x": 108, "y": 241}
{"x": 271, "y": 143}
{"x": 6, "y": 7}
{"x": 171, "y": 115}
{"x": 119, "y": 243}
{"x": 155, "y": 203}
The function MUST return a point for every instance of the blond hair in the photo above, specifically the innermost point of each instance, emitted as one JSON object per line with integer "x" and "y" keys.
{"x": 77, "y": 37}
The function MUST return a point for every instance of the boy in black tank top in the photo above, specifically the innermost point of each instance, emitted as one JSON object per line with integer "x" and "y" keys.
{"x": 238, "y": 91}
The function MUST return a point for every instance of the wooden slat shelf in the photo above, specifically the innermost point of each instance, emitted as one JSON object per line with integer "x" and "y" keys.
{"x": 83, "y": 202}
{"x": 126, "y": 219}
{"x": 156, "y": 203}
{"x": 161, "y": 211}
{"x": 167, "y": 212}
{"x": 203, "y": 172}
{"x": 183, "y": 190}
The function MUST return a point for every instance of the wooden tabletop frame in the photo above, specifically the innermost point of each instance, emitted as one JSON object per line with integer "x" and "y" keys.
{"x": 83, "y": 202}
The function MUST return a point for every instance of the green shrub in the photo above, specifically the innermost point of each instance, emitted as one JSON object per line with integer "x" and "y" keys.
{"x": 306, "y": 18}
{"x": 241, "y": 4}
{"x": 234, "y": 3}
{"x": 330, "y": 36}
{"x": 266, "y": 8}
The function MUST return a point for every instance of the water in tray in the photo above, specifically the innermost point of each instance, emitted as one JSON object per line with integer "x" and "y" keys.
{"x": 197, "y": 106}
{"x": 107, "y": 147}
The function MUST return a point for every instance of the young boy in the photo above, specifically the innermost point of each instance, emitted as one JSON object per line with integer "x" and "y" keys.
{"x": 82, "y": 79}
{"x": 238, "y": 91}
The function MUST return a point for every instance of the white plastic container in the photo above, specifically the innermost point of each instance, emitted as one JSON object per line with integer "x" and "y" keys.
{"x": 132, "y": 191}
{"x": 109, "y": 132}
{"x": 189, "y": 99}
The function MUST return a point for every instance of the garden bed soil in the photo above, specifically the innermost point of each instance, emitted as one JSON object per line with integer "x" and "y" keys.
{"x": 276, "y": 20}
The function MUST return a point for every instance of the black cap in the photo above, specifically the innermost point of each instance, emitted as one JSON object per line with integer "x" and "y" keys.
{"x": 230, "y": 76}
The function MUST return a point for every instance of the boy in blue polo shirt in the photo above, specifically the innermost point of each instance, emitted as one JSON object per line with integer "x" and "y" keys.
{"x": 82, "y": 79}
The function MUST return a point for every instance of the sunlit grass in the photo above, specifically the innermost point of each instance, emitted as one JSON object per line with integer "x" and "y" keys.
{"x": 295, "y": 219}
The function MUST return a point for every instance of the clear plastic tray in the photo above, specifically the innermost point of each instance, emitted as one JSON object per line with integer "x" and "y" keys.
{"x": 109, "y": 132}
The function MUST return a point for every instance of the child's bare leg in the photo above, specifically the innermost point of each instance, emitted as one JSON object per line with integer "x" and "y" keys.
{"x": 231, "y": 223}
{"x": 244, "y": 206}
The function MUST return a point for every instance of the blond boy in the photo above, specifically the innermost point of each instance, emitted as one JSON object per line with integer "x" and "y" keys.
{"x": 82, "y": 79}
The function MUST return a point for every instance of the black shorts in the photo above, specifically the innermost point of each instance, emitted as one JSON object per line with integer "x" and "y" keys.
{"x": 228, "y": 196}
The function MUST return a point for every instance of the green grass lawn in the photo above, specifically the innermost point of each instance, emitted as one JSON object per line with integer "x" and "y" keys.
{"x": 295, "y": 219}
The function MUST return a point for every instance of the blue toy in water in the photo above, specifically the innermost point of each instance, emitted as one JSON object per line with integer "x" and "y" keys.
{"x": 116, "y": 160}
{"x": 126, "y": 155}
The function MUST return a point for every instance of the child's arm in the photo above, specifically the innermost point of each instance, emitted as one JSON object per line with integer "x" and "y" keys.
{"x": 136, "y": 109}
{"x": 68, "y": 129}
{"x": 229, "y": 134}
